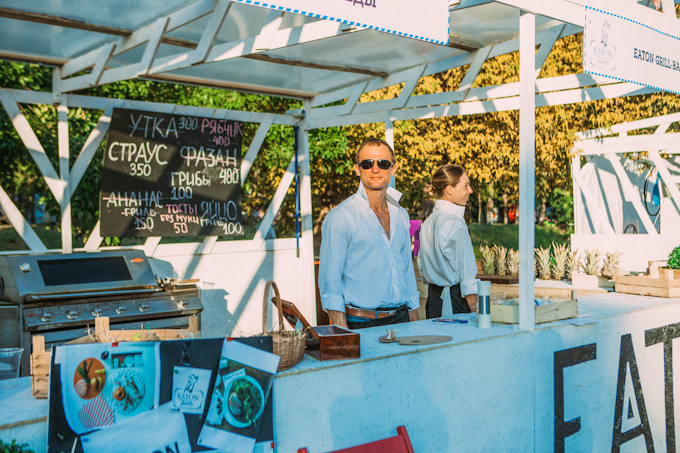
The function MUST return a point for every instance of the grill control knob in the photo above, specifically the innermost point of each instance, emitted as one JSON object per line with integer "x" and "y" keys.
{"x": 96, "y": 312}
{"x": 25, "y": 267}
{"x": 143, "y": 308}
{"x": 46, "y": 317}
{"x": 182, "y": 304}
{"x": 121, "y": 310}
{"x": 72, "y": 314}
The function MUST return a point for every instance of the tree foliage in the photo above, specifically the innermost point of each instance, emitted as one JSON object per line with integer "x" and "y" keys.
{"x": 487, "y": 145}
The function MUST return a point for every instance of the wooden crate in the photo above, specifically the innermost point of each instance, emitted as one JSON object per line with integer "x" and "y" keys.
{"x": 509, "y": 314}
{"x": 40, "y": 368}
{"x": 659, "y": 283}
{"x": 41, "y": 359}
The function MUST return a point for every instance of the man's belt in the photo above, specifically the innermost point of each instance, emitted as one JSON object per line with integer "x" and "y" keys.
{"x": 369, "y": 314}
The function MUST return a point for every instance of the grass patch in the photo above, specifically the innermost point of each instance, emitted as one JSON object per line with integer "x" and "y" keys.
{"x": 508, "y": 236}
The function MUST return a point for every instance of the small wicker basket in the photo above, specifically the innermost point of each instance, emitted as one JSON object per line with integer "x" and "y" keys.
{"x": 289, "y": 345}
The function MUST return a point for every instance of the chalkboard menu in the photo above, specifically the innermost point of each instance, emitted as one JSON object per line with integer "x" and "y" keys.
{"x": 171, "y": 175}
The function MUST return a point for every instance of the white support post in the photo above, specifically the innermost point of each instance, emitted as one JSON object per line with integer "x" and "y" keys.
{"x": 90, "y": 147}
{"x": 20, "y": 224}
{"x": 666, "y": 177}
{"x": 631, "y": 193}
{"x": 527, "y": 150}
{"x": 578, "y": 203}
{"x": 255, "y": 146}
{"x": 258, "y": 241}
{"x": 95, "y": 238}
{"x": 306, "y": 260}
{"x": 33, "y": 145}
{"x": 389, "y": 138}
{"x": 600, "y": 222}
{"x": 64, "y": 171}
{"x": 151, "y": 244}
{"x": 669, "y": 8}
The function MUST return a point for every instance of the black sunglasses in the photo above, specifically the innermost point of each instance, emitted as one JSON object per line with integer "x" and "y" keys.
{"x": 383, "y": 164}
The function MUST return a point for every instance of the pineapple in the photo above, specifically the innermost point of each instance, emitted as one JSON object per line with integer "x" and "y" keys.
{"x": 542, "y": 263}
{"x": 574, "y": 264}
{"x": 501, "y": 260}
{"x": 611, "y": 261}
{"x": 513, "y": 262}
{"x": 591, "y": 262}
{"x": 487, "y": 259}
{"x": 560, "y": 262}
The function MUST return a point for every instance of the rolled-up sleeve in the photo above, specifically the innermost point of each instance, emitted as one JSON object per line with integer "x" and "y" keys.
{"x": 334, "y": 242}
{"x": 457, "y": 248}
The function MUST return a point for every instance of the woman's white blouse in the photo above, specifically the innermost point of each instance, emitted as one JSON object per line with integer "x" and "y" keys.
{"x": 446, "y": 256}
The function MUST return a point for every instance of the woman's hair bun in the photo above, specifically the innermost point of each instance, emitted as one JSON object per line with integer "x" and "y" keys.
{"x": 430, "y": 190}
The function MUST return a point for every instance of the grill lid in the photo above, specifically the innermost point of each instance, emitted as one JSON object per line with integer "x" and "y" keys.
{"x": 41, "y": 277}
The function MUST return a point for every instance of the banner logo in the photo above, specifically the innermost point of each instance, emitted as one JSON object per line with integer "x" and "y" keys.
{"x": 603, "y": 54}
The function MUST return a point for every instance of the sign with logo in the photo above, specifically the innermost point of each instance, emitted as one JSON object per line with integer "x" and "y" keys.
{"x": 631, "y": 51}
{"x": 427, "y": 20}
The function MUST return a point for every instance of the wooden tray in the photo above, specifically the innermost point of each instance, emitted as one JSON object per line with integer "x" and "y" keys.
{"x": 41, "y": 359}
{"x": 660, "y": 283}
{"x": 500, "y": 279}
{"x": 509, "y": 314}
{"x": 336, "y": 343}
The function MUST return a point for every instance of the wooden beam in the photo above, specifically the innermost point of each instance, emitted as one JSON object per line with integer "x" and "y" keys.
{"x": 312, "y": 65}
{"x": 48, "y": 19}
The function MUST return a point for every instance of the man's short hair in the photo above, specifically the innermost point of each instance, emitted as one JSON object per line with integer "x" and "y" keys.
{"x": 372, "y": 141}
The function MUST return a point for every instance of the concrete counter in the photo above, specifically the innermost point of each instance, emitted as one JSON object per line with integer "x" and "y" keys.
{"x": 497, "y": 389}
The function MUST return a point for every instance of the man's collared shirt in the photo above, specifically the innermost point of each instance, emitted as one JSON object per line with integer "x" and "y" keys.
{"x": 446, "y": 257}
{"x": 359, "y": 264}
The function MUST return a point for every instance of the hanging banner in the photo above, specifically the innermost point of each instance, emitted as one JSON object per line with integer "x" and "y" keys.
{"x": 624, "y": 49}
{"x": 427, "y": 20}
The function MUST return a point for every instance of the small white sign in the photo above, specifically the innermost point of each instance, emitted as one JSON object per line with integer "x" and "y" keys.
{"x": 190, "y": 389}
{"x": 624, "y": 49}
{"x": 427, "y": 20}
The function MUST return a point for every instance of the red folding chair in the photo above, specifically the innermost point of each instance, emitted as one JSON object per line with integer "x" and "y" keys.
{"x": 397, "y": 444}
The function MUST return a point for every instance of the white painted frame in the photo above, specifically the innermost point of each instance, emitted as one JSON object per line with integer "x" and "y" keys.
{"x": 604, "y": 142}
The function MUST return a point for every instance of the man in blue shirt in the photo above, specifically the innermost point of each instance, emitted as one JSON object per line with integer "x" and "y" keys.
{"x": 366, "y": 275}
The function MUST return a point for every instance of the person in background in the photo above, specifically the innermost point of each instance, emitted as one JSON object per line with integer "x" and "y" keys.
{"x": 446, "y": 259}
{"x": 366, "y": 275}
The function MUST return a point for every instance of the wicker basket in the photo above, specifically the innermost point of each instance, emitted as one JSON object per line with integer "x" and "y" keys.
{"x": 290, "y": 346}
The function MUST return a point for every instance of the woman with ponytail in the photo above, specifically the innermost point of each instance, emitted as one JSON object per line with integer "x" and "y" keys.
{"x": 446, "y": 259}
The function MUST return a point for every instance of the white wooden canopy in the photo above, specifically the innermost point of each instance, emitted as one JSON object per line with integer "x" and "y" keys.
{"x": 235, "y": 46}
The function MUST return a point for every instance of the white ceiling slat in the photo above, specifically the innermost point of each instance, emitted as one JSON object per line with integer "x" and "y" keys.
{"x": 210, "y": 32}
{"x": 103, "y": 58}
{"x": 152, "y": 45}
{"x": 264, "y": 40}
{"x": 89, "y": 102}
